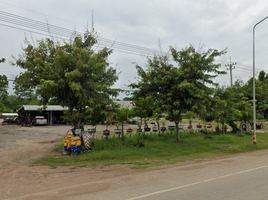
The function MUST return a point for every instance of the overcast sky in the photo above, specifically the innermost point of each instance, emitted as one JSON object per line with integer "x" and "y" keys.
{"x": 141, "y": 24}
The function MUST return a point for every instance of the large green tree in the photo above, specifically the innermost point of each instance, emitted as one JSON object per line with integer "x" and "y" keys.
{"x": 263, "y": 78}
{"x": 261, "y": 93}
{"x": 73, "y": 73}
{"x": 232, "y": 104}
{"x": 223, "y": 105}
{"x": 240, "y": 104}
{"x": 179, "y": 88}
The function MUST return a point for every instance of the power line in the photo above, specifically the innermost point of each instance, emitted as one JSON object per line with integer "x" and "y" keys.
{"x": 46, "y": 34}
{"x": 41, "y": 28}
{"x": 248, "y": 67}
{"x": 23, "y": 23}
{"x": 71, "y": 22}
{"x": 39, "y": 13}
{"x": 244, "y": 71}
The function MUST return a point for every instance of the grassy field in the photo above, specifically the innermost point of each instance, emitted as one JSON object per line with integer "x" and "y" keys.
{"x": 158, "y": 150}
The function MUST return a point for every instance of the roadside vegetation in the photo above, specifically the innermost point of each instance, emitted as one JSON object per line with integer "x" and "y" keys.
{"x": 179, "y": 85}
{"x": 157, "y": 150}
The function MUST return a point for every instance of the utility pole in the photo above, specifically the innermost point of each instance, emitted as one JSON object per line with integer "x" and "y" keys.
{"x": 231, "y": 68}
{"x": 254, "y": 103}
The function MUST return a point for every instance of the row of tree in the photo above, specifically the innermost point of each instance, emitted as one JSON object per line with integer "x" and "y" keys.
{"x": 188, "y": 89}
{"x": 77, "y": 74}
{"x": 184, "y": 89}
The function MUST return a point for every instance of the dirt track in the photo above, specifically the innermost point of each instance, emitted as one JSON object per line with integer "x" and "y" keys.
{"x": 20, "y": 146}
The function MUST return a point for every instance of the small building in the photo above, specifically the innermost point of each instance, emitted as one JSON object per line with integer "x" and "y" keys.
{"x": 125, "y": 103}
{"x": 52, "y": 113}
{"x": 9, "y": 117}
{"x": 9, "y": 114}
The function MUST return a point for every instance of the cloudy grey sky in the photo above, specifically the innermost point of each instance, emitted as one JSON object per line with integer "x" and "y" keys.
{"x": 136, "y": 27}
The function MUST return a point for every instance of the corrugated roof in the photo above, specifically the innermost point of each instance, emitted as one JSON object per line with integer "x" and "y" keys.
{"x": 10, "y": 114}
{"x": 48, "y": 108}
{"x": 60, "y": 108}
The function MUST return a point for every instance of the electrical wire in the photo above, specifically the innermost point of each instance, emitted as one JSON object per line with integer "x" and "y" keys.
{"x": 46, "y": 29}
{"x": 49, "y": 30}
{"x": 23, "y": 23}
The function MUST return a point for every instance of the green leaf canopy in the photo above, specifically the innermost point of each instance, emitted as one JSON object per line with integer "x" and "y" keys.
{"x": 72, "y": 74}
{"x": 180, "y": 88}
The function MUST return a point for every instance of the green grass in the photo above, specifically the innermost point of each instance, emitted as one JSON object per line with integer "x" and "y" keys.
{"x": 158, "y": 150}
{"x": 59, "y": 146}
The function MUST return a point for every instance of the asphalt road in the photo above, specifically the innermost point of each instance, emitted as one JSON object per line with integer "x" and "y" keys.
{"x": 244, "y": 176}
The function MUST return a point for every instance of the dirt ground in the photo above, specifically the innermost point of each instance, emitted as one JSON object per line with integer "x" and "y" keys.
{"x": 20, "y": 146}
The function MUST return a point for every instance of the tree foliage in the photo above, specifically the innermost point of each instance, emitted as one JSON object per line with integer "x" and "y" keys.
{"x": 122, "y": 114}
{"x": 178, "y": 88}
{"x": 3, "y": 89}
{"x": 143, "y": 109}
{"x": 22, "y": 94}
{"x": 73, "y": 73}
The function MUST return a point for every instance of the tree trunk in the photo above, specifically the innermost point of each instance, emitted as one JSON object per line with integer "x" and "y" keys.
{"x": 178, "y": 131}
{"x": 123, "y": 138}
{"x": 79, "y": 123}
{"x": 139, "y": 138}
{"x": 158, "y": 126}
{"x": 75, "y": 124}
